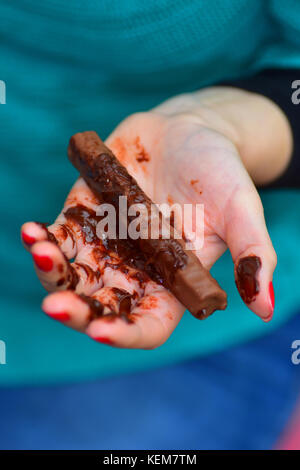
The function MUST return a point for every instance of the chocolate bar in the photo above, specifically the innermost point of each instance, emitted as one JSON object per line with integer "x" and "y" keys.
{"x": 180, "y": 270}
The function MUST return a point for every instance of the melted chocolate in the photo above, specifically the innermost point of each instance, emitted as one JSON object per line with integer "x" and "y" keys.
{"x": 67, "y": 232}
{"x": 246, "y": 278}
{"x": 86, "y": 219}
{"x": 125, "y": 250}
{"x": 123, "y": 309}
{"x": 109, "y": 180}
{"x": 96, "y": 307}
{"x": 162, "y": 259}
{"x": 91, "y": 275}
{"x": 202, "y": 314}
{"x": 50, "y": 236}
{"x": 60, "y": 282}
{"x": 124, "y": 300}
{"x": 72, "y": 277}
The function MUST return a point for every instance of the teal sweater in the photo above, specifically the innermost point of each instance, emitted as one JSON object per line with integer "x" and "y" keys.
{"x": 72, "y": 66}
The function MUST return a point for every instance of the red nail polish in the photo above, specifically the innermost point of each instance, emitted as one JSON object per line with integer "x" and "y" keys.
{"x": 104, "y": 340}
{"x": 60, "y": 316}
{"x": 28, "y": 239}
{"x": 272, "y": 296}
{"x": 44, "y": 263}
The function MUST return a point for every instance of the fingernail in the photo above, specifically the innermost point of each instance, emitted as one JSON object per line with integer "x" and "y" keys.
{"x": 272, "y": 298}
{"x": 271, "y": 302}
{"x": 272, "y": 295}
{"x": 247, "y": 277}
{"x": 104, "y": 340}
{"x": 60, "y": 316}
{"x": 44, "y": 263}
{"x": 28, "y": 239}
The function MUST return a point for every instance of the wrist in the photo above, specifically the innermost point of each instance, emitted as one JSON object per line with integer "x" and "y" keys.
{"x": 254, "y": 124}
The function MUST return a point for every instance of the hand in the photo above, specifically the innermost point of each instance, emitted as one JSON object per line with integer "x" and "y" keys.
{"x": 176, "y": 158}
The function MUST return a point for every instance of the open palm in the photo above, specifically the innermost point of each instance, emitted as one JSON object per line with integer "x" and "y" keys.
{"x": 175, "y": 160}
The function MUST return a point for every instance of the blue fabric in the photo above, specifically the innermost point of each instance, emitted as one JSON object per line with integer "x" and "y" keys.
{"x": 238, "y": 399}
{"x": 73, "y": 66}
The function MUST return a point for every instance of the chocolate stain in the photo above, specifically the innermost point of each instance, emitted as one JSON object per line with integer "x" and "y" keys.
{"x": 123, "y": 308}
{"x": 246, "y": 277}
{"x": 96, "y": 307}
{"x": 164, "y": 260}
{"x": 72, "y": 277}
{"x": 67, "y": 232}
{"x": 141, "y": 154}
{"x": 50, "y": 236}
{"x": 116, "y": 253}
{"x": 123, "y": 299}
{"x": 87, "y": 220}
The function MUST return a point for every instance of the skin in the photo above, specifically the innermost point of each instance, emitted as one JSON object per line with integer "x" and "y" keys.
{"x": 231, "y": 140}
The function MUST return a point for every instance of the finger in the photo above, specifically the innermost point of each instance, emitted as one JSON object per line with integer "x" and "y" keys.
{"x": 77, "y": 311}
{"x": 65, "y": 233}
{"x": 59, "y": 233}
{"x": 52, "y": 267}
{"x": 126, "y": 278}
{"x": 68, "y": 308}
{"x": 32, "y": 232}
{"x": 104, "y": 267}
{"x": 213, "y": 248}
{"x": 150, "y": 324}
{"x": 64, "y": 236}
{"x": 123, "y": 289}
{"x": 57, "y": 273}
{"x": 252, "y": 251}
{"x": 69, "y": 228}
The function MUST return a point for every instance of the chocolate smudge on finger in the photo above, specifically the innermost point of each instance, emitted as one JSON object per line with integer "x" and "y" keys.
{"x": 246, "y": 277}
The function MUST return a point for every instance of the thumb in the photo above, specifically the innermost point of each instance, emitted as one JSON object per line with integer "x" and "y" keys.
{"x": 252, "y": 251}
